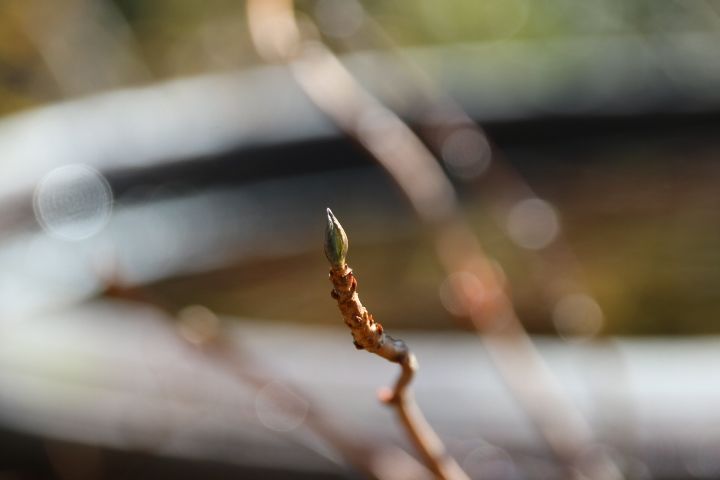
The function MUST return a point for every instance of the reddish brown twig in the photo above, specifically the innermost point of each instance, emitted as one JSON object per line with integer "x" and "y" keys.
{"x": 369, "y": 335}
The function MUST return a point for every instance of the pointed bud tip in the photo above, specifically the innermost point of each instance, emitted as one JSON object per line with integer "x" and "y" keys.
{"x": 336, "y": 242}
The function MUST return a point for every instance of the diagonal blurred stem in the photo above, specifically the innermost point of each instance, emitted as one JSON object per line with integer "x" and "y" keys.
{"x": 278, "y": 38}
{"x": 501, "y": 186}
{"x": 362, "y": 455}
{"x": 215, "y": 346}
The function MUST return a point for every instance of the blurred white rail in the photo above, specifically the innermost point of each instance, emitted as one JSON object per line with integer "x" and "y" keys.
{"x": 178, "y": 119}
{"x": 115, "y": 374}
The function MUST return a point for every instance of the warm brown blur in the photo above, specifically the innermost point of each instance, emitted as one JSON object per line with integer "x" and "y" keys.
{"x": 541, "y": 173}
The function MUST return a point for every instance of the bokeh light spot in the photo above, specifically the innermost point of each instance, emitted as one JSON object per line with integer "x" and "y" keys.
{"x": 466, "y": 153}
{"x": 490, "y": 462}
{"x": 459, "y": 291}
{"x": 73, "y": 202}
{"x": 339, "y": 18}
{"x": 577, "y": 316}
{"x": 533, "y": 224}
{"x": 279, "y": 408}
{"x": 198, "y": 324}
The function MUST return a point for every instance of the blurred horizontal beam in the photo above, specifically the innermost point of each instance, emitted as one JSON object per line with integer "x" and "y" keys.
{"x": 517, "y": 80}
{"x": 154, "y": 233}
{"x": 116, "y": 374}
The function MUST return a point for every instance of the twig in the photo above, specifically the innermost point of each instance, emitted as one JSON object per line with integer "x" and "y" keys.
{"x": 369, "y": 335}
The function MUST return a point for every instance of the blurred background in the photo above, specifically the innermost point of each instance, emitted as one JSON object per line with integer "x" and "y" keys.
{"x": 164, "y": 301}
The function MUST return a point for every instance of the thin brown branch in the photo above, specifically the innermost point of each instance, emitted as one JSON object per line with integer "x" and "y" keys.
{"x": 369, "y": 335}
{"x": 417, "y": 427}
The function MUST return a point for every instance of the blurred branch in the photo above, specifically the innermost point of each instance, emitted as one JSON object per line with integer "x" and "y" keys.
{"x": 365, "y": 456}
{"x": 498, "y": 183}
{"x": 202, "y": 331}
{"x": 369, "y": 335}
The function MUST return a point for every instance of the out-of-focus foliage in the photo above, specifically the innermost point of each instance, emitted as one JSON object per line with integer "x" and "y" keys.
{"x": 24, "y": 78}
{"x": 173, "y": 38}
{"x": 185, "y": 37}
{"x": 427, "y": 21}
